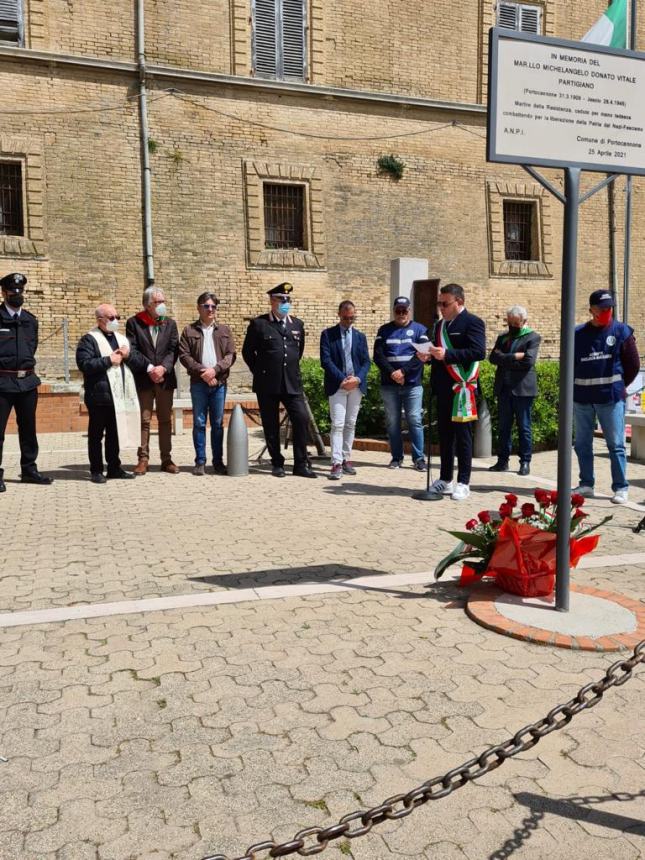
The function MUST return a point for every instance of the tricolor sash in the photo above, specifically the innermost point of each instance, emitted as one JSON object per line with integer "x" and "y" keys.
{"x": 464, "y": 403}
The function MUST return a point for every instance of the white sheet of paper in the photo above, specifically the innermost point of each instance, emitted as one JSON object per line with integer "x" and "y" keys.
{"x": 423, "y": 348}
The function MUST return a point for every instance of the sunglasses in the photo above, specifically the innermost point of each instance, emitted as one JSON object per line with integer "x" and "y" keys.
{"x": 401, "y": 310}
{"x": 444, "y": 304}
{"x": 111, "y": 318}
{"x": 209, "y": 307}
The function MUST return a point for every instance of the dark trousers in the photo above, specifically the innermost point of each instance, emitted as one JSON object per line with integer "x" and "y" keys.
{"x": 510, "y": 407}
{"x": 103, "y": 421}
{"x": 24, "y": 402}
{"x": 270, "y": 414}
{"x": 454, "y": 434}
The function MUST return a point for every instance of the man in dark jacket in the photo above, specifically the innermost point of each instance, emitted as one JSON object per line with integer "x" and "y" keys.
{"x": 18, "y": 380}
{"x": 514, "y": 356}
{"x": 346, "y": 362}
{"x": 207, "y": 351}
{"x": 396, "y": 357}
{"x": 155, "y": 336}
{"x": 272, "y": 349}
{"x": 460, "y": 344}
{"x": 107, "y": 362}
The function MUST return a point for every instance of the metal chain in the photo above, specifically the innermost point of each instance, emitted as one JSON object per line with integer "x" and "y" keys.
{"x": 314, "y": 840}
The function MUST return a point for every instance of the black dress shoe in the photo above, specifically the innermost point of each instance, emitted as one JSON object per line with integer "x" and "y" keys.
{"x": 34, "y": 477}
{"x": 97, "y": 478}
{"x": 305, "y": 472}
{"x": 278, "y": 472}
{"x": 525, "y": 469}
{"x": 499, "y": 466}
{"x": 3, "y": 486}
{"x": 120, "y": 475}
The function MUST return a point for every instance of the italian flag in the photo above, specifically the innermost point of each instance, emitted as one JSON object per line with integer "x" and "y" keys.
{"x": 611, "y": 28}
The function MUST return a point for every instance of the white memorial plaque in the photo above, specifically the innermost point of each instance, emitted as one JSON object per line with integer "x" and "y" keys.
{"x": 556, "y": 103}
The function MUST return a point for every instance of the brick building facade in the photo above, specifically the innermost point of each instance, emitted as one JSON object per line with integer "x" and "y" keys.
{"x": 236, "y": 116}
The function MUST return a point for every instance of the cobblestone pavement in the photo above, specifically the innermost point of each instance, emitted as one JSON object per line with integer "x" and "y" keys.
{"x": 192, "y": 731}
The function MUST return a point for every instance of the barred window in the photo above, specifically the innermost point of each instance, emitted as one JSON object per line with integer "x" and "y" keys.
{"x": 519, "y": 231}
{"x": 11, "y": 216}
{"x": 526, "y": 18}
{"x": 279, "y": 38}
{"x": 11, "y": 22}
{"x": 284, "y": 216}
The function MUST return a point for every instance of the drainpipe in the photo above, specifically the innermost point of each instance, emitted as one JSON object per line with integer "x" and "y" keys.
{"x": 613, "y": 273}
{"x": 145, "y": 152}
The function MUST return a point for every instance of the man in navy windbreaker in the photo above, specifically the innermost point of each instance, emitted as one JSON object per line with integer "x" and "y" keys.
{"x": 401, "y": 380}
{"x": 606, "y": 361}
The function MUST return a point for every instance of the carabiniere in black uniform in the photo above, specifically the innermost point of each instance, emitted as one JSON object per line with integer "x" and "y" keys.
{"x": 18, "y": 380}
{"x": 272, "y": 349}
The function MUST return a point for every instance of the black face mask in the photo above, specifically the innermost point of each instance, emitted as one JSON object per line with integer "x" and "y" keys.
{"x": 15, "y": 300}
{"x": 514, "y": 330}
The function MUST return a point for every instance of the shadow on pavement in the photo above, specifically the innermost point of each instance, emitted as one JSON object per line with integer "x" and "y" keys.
{"x": 311, "y": 574}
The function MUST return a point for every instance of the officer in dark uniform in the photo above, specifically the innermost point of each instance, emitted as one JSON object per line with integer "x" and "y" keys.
{"x": 273, "y": 347}
{"x": 18, "y": 380}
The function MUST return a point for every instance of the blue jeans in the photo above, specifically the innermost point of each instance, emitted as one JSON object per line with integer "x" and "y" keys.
{"x": 411, "y": 399}
{"x": 508, "y": 407}
{"x": 208, "y": 401}
{"x": 612, "y": 421}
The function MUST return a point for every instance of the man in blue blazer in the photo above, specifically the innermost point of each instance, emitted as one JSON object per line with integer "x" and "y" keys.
{"x": 346, "y": 361}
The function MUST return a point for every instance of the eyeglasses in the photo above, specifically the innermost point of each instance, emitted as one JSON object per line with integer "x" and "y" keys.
{"x": 209, "y": 307}
{"x": 111, "y": 318}
{"x": 444, "y": 304}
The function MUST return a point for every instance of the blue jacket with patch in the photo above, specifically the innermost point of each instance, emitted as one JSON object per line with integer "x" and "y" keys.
{"x": 394, "y": 350}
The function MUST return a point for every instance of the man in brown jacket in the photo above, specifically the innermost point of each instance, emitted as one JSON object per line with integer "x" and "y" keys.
{"x": 152, "y": 333}
{"x": 207, "y": 351}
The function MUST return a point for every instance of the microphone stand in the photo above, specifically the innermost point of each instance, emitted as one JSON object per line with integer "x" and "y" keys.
{"x": 428, "y": 495}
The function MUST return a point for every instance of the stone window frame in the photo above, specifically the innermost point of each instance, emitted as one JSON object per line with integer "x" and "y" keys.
{"x": 498, "y": 191}
{"x": 488, "y": 19}
{"x": 29, "y": 154}
{"x": 256, "y": 173}
{"x": 241, "y": 40}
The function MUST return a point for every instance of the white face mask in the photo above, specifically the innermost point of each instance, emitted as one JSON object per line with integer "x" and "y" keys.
{"x": 112, "y": 325}
{"x": 161, "y": 310}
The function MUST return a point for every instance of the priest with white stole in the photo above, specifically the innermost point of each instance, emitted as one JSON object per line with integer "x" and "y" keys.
{"x": 106, "y": 360}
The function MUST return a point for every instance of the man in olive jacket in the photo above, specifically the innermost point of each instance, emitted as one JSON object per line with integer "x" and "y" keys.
{"x": 207, "y": 351}
{"x": 514, "y": 356}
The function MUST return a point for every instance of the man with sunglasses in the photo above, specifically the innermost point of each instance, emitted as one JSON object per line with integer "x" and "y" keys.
{"x": 273, "y": 347}
{"x": 459, "y": 346}
{"x": 18, "y": 380}
{"x": 207, "y": 351}
{"x": 107, "y": 361}
{"x": 401, "y": 381}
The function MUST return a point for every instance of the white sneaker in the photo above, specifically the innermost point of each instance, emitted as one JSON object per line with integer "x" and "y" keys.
{"x": 620, "y": 496}
{"x": 461, "y": 492}
{"x": 439, "y": 486}
{"x": 583, "y": 490}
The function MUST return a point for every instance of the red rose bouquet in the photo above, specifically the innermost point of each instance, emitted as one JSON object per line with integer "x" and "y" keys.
{"x": 517, "y": 546}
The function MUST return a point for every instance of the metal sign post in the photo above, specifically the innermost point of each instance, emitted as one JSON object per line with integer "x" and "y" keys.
{"x": 576, "y": 106}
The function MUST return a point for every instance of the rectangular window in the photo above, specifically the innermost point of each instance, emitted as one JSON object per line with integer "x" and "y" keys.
{"x": 11, "y": 22}
{"x": 284, "y": 216}
{"x": 519, "y": 230}
{"x": 279, "y": 39}
{"x": 523, "y": 17}
{"x": 11, "y": 218}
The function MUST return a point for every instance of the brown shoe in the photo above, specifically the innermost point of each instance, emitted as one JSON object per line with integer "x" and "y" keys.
{"x": 141, "y": 468}
{"x": 170, "y": 468}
